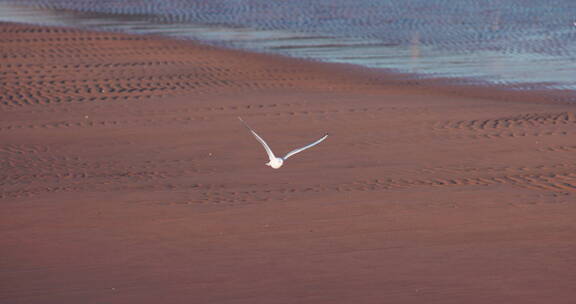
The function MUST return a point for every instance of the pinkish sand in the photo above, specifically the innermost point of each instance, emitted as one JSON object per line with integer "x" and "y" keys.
{"x": 126, "y": 178}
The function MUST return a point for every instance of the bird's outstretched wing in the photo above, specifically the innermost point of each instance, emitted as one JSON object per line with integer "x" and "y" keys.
{"x": 306, "y": 147}
{"x": 264, "y": 144}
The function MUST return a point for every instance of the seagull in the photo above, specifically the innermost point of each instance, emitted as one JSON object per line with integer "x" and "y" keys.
{"x": 277, "y": 162}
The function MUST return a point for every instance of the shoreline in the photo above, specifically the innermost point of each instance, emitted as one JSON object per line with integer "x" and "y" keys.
{"x": 373, "y": 78}
{"x": 227, "y": 37}
{"x": 126, "y": 177}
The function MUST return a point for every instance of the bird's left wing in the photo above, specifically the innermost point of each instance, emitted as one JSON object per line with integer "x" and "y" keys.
{"x": 305, "y": 147}
{"x": 271, "y": 155}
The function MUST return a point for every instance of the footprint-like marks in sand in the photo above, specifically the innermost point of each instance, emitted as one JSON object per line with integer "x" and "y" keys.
{"x": 83, "y": 69}
{"x": 75, "y": 174}
{"x": 549, "y": 182}
{"x": 520, "y": 126}
{"x": 530, "y": 120}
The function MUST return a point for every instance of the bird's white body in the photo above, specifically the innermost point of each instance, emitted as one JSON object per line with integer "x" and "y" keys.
{"x": 277, "y": 162}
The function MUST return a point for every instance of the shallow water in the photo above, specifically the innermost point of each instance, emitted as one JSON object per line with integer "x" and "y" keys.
{"x": 524, "y": 44}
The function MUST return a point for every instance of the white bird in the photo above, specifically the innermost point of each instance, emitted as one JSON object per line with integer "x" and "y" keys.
{"x": 277, "y": 162}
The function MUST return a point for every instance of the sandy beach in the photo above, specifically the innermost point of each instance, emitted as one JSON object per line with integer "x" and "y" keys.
{"x": 126, "y": 177}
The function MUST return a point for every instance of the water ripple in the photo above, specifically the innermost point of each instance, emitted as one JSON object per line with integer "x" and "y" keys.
{"x": 525, "y": 43}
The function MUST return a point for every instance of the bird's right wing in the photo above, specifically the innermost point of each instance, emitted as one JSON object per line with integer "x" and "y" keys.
{"x": 264, "y": 144}
{"x": 305, "y": 147}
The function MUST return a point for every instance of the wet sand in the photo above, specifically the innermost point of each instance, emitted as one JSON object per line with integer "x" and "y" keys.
{"x": 126, "y": 178}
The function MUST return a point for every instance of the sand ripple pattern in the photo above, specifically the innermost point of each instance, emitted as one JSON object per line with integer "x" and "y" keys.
{"x": 113, "y": 113}
{"x": 50, "y": 66}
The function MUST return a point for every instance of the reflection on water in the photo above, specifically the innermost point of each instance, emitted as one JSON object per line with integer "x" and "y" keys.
{"x": 481, "y": 56}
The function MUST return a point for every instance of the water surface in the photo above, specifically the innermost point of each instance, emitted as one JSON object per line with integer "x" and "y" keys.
{"x": 524, "y": 44}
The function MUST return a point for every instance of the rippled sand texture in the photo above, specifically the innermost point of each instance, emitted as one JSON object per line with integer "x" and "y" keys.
{"x": 126, "y": 178}
{"x": 526, "y": 44}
